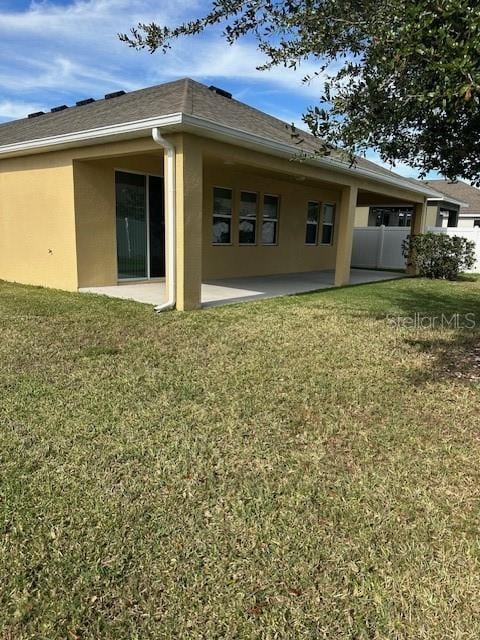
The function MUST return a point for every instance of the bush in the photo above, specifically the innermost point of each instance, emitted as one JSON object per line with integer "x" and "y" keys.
{"x": 438, "y": 255}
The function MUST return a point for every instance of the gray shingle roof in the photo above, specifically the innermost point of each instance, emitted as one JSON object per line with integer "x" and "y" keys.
{"x": 185, "y": 96}
{"x": 460, "y": 191}
{"x": 137, "y": 105}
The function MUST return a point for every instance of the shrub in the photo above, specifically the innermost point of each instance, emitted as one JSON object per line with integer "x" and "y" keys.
{"x": 438, "y": 255}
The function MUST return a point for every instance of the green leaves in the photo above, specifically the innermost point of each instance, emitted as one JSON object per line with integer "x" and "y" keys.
{"x": 403, "y": 76}
{"x": 439, "y": 256}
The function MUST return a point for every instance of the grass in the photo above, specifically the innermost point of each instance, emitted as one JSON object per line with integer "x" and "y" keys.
{"x": 293, "y": 468}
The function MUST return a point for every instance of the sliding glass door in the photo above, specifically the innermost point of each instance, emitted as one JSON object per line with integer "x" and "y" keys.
{"x": 140, "y": 223}
{"x": 156, "y": 226}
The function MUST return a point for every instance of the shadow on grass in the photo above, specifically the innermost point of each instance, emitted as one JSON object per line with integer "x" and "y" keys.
{"x": 436, "y": 317}
{"x": 441, "y": 318}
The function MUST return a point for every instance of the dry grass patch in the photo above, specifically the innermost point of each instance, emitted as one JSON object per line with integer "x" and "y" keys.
{"x": 293, "y": 468}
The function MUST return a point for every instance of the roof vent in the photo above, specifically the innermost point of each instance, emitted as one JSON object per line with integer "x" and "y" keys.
{"x": 220, "y": 92}
{"x": 62, "y": 107}
{"x": 80, "y": 103}
{"x": 36, "y": 114}
{"x": 115, "y": 94}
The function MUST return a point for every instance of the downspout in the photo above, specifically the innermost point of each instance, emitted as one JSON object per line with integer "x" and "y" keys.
{"x": 170, "y": 207}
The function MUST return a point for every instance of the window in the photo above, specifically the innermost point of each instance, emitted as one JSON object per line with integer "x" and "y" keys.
{"x": 270, "y": 220}
{"x": 313, "y": 211}
{"x": 222, "y": 216}
{"x": 327, "y": 223}
{"x": 390, "y": 216}
{"x": 247, "y": 221}
{"x": 476, "y": 222}
{"x": 452, "y": 218}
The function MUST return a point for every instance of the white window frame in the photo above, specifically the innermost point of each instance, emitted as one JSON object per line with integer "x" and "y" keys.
{"x": 222, "y": 244}
{"x": 316, "y": 224}
{"x": 240, "y": 218}
{"x": 275, "y": 220}
{"x": 328, "y": 224}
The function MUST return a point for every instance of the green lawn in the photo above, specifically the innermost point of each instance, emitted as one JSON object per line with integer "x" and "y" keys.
{"x": 293, "y": 468}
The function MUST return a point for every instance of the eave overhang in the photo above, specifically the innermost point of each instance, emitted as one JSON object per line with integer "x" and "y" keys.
{"x": 181, "y": 122}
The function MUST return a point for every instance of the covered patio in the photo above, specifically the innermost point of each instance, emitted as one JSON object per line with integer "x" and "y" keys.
{"x": 223, "y": 291}
{"x": 156, "y": 228}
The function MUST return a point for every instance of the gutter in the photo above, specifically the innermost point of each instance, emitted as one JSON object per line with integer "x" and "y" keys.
{"x": 170, "y": 207}
{"x": 208, "y": 128}
{"x": 222, "y": 132}
{"x": 447, "y": 199}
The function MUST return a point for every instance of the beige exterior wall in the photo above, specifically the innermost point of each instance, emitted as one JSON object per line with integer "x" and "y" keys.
{"x": 466, "y": 223}
{"x": 37, "y": 222}
{"x": 57, "y": 213}
{"x": 361, "y": 216}
{"x": 95, "y": 213}
{"x": 432, "y": 212}
{"x": 290, "y": 254}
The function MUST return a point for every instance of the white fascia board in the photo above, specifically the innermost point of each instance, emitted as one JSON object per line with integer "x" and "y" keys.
{"x": 195, "y": 124}
{"x": 254, "y": 141}
{"x": 446, "y": 198}
{"x": 91, "y": 136}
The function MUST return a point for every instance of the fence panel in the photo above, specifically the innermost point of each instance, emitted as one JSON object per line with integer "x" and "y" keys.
{"x": 381, "y": 247}
{"x": 378, "y": 247}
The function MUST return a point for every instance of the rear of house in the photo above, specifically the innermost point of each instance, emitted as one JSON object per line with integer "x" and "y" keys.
{"x": 178, "y": 183}
{"x": 469, "y": 197}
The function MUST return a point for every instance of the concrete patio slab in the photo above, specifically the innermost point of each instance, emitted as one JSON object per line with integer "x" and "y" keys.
{"x": 231, "y": 290}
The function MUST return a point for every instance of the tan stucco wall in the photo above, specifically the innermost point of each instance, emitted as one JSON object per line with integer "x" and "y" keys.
{"x": 57, "y": 212}
{"x": 291, "y": 254}
{"x": 37, "y": 224}
{"x": 361, "y": 216}
{"x": 95, "y": 214}
{"x": 432, "y": 211}
{"x": 466, "y": 223}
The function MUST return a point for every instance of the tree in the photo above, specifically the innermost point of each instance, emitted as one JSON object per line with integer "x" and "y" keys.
{"x": 402, "y": 77}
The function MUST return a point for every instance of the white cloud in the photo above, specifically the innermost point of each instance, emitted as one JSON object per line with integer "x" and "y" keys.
{"x": 240, "y": 60}
{"x": 10, "y": 109}
{"x": 54, "y": 52}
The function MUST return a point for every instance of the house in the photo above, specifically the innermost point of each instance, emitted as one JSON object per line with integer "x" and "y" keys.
{"x": 178, "y": 181}
{"x": 469, "y": 211}
{"x": 442, "y": 210}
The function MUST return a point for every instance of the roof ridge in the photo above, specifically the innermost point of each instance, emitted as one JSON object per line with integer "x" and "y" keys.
{"x": 187, "y": 98}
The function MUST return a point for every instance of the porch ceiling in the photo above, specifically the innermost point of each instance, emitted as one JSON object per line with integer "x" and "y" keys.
{"x": 368, "y": 198}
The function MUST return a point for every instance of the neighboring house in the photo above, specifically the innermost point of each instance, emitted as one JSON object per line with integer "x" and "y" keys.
{"x": 469, "y": 213}
{"x": 442, "y": 210}
{"x": 178, "y": 181}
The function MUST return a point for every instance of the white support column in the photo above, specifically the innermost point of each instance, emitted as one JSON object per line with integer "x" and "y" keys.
{"x": 345, "y": 224}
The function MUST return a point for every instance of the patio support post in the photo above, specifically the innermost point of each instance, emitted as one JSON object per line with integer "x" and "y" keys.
{"x": 419, "y": 219}
{"x": 348, "y": 203}
{"x": 189, "y": 197}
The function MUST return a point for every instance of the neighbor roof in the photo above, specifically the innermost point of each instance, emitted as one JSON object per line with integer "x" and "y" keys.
{"x": 461, "y": 191}
{"x": 183, "y": 96}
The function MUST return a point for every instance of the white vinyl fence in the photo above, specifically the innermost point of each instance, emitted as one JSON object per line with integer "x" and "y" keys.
{"x": 378, "y": 247}
{"x": 381, "y": 247}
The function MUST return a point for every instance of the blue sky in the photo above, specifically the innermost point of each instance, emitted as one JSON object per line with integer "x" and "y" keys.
{"x": 59, "y": 51}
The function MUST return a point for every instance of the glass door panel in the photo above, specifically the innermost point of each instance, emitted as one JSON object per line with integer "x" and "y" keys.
{"x": 157, "y": 226}
{"x": 131, "y": 218}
